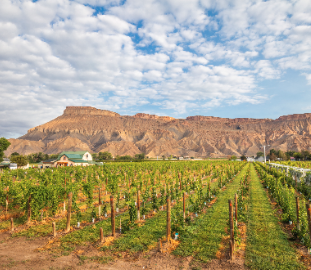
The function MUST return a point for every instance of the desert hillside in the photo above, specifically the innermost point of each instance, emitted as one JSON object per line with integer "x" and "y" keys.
{"x": 88, "y": 128}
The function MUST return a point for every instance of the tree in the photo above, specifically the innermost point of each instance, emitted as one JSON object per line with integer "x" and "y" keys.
{"x": 163, "y": 157}
{"x": 243, "y": 157}
{"x": 14, "y": 154}
{"x": 305, "y": 154}
{"x": 107, "y": 155}
{"x": 125, "y": 158}
{"x": 4, "y": 144}
{"x": 140, "y": 156}
{"x": 233, "y": 157}
{"x": 290, "y": 153}
{"x": 273, "y": 156}
{"x": 298, "y": 156}
{"x": 38, "y": 157}
{"x": 281, "y": 155}
{"x": 19, "y": 160}
{"x": 53, "y": 156}
{"x": 104, "y": 156}
{"x": 272, "y": 151}
{"x": 260, "y": 154}
{"x": 95, "y": 156}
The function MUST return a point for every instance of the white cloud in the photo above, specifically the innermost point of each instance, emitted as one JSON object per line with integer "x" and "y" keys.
{"x": 169, "y": 53}
{"x": 265, "y": 70}
{"x": 308, "y": 77}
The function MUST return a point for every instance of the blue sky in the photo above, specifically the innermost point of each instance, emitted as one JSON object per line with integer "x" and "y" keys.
{"x": 167, "y": 57}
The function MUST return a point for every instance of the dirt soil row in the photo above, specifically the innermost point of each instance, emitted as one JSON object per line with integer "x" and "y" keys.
{"x": 21, "y": 253}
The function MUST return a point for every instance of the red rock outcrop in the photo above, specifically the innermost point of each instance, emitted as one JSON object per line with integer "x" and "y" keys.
{"x": 153, "y": 116}
{"x": 87, "y": 128}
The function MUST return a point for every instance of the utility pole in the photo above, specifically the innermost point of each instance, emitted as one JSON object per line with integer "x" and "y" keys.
{"x": 264, "y": 151}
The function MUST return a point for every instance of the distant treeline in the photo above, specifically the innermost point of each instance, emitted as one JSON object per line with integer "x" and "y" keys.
{"x": 106, "y": 156}
{"x": 102, "y": 156}
{"x": 275, "y": 154}
{"x": 280, "y": 155}
{"x": 36, "y": 157}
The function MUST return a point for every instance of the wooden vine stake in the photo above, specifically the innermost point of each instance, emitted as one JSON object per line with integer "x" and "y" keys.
{"x": 12, "y": 224}
{"x": 160, "y": 245}
{"x": 236, "y": 209}
{"x": 297, "y": 211}
{"x": 69, "y": 212}
{"x": 64, "y": 205}
{"x": 6, "y": 206}
{"x": 120, "y": 226}
{"x": 113, "y": 228}
{"x": 6, "y": 202}
{"x": 180, "y": 185}
{"x": 184, "y": 206}
{"x": 101, "y": 235}
{"x": 99, "y": 202}
{"x": 168, "y": 220}
{"x": 309, "y": 217}
{"x": 231, "y": 229}
{"x": 138, "y": 204}
{"x": 29, "y": 210}
{"x": 54, "y": 229}
{"x": 106, "y": 184}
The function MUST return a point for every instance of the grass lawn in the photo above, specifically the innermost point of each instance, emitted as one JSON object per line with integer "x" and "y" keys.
{"x": 267, "y": 245}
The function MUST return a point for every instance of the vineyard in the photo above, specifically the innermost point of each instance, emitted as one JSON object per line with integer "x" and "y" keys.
{"x": 179, "y": 215}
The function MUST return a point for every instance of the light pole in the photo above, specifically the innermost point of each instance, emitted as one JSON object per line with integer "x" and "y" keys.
{"x": 264, "y": 150}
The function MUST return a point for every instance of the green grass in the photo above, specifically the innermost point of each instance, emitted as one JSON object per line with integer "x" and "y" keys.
{"x": 267, "y": 245}
{"x": 4, "y": 225}
{"x": 46, "y": 229}
{"x": 202, "y": 239}
{"x": 141, "y": 238}
{"x": 90, "y": 233}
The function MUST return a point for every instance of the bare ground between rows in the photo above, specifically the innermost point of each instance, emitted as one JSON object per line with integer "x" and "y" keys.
{"x": 20, "y": 253}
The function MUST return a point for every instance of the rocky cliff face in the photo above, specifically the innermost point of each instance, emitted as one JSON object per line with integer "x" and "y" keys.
{"x": 87, "y": 128}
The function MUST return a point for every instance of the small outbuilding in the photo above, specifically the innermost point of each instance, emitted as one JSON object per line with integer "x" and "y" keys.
{"x": 49, "y": 163}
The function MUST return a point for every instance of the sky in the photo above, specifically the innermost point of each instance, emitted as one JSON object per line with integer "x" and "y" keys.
{"x": 224, "y": 58}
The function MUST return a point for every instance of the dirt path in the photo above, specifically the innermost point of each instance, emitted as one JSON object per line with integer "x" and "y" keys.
{"x": 21, "y": 253}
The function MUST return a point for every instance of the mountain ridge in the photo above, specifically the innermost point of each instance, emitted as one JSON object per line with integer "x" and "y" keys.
{"x": 94, "y": 130}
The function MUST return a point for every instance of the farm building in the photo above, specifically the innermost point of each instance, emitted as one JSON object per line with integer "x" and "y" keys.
{"x": 47, "y": 163}
{"x": 80, "y": 158}
{"x": 6, "y": 163}
{"x": 260, "y": 159}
